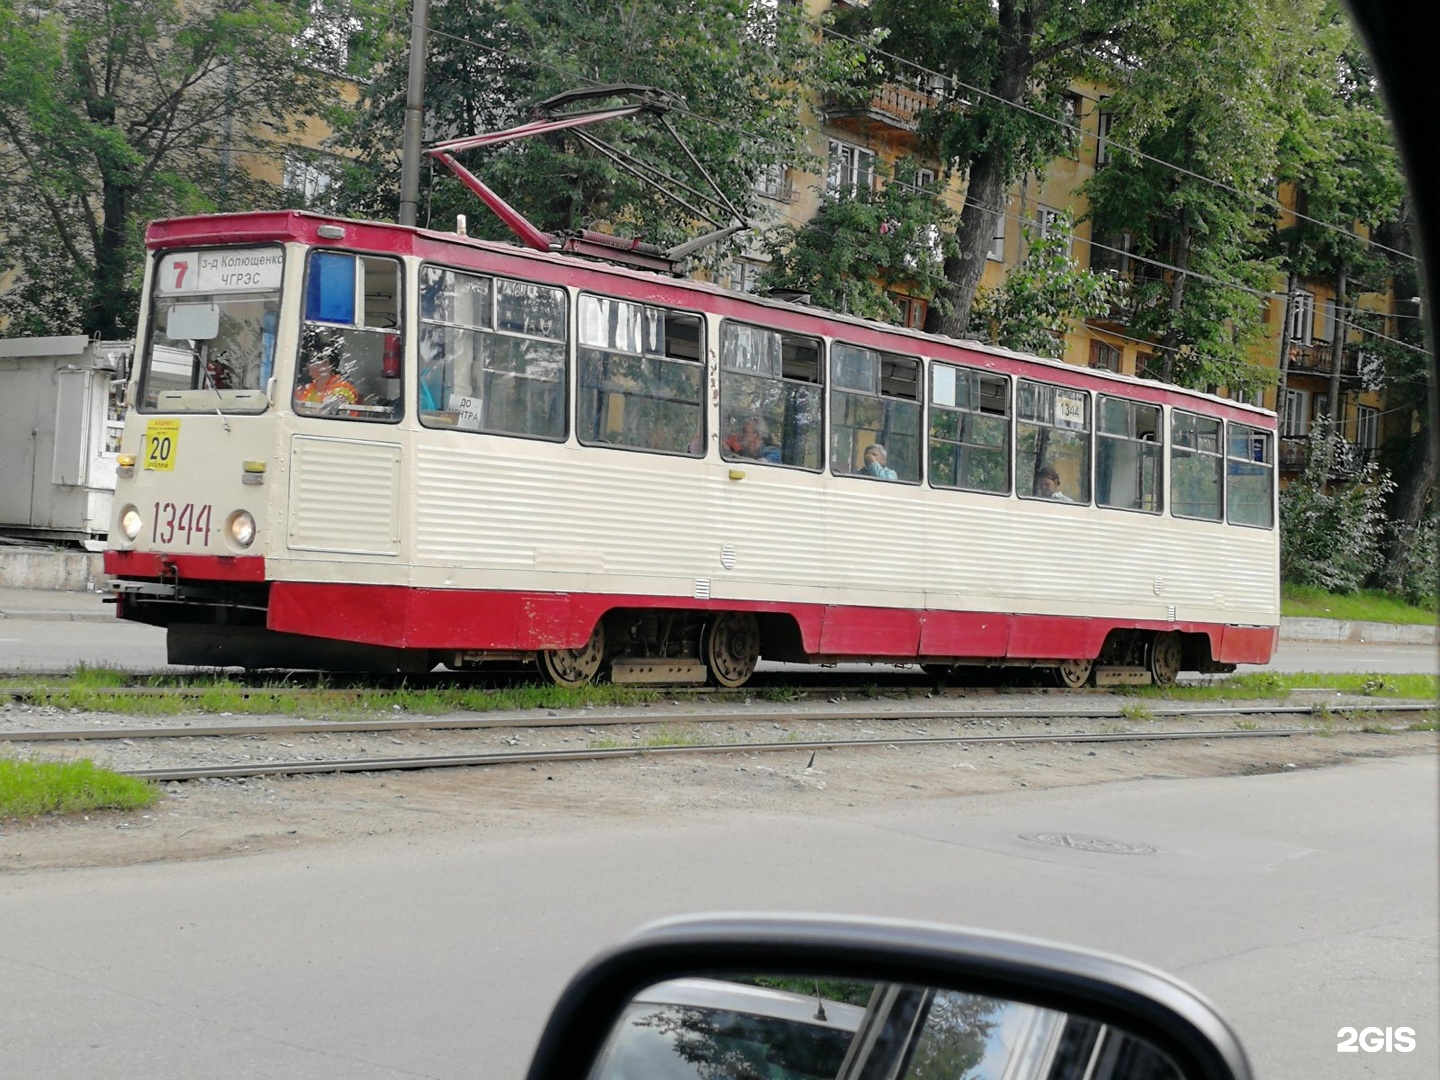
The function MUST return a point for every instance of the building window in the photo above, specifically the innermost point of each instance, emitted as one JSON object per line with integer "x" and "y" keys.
{"x": 1052, "y": 222}
{"x": 1367, "y": 427}
{"x": 1295, "y": 418}
{"x": 912, "y": 310}
{"x": 743, "y": 276}
{"x": 325, "y": 41}
{"x": 1328, "y": 320}
{"x": 997, "y": 240}
{"x": 1104, "y": 356}
{"x": 1071, "y": 106}
{"x": 306, "y": 182}
{"x": 1103, "y": 122}
{"x": 774, "y": 183}
{"x": 1302, "y": 317}
{"x": 852, "y": 169}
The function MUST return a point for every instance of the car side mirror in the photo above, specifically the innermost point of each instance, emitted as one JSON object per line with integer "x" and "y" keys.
{"x": 724, "y": 997}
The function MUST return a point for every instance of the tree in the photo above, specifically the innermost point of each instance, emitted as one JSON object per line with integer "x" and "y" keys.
{"x": 733, "y": 68}
{"x": 1010, "y": 65}
{"x": 114, "y": 113}
{"x": 861, "y": 246}
{"x": 1043, "y": 295}
{"x": 1332, "y": 529}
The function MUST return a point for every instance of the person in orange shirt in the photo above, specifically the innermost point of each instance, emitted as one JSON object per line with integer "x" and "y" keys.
{"x": 327, "y": 391}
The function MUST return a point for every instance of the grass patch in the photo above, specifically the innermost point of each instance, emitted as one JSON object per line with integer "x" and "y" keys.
{"x": 28, "y": 788}
{"x": 1367, "y": 606}
{"x": 675, "y": 737}
{"x": 1272, "y": 685}
{"x": 1135, "y": 710}
{"x": 116, "y": 692}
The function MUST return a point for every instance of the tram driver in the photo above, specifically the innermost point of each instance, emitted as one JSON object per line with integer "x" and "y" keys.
{"x": 328, "y": 391}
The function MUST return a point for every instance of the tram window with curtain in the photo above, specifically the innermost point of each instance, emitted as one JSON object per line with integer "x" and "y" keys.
{"x": 875, "y": 414}
{"x": 1250, "y": 476}
{"x": 349, "y": 365}
{"x": 1197, "y": 467}
{"x": 1052, "y": 443}
{"x": 969, "y": 430}
{"x": 492, "y": 354}
{"x": 1127, "y": 455}
{"x": 642, "y": 377}
{"x": 771, "y": 396}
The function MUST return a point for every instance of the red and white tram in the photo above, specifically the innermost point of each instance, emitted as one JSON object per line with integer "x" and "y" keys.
{"x": 356, "y": 445}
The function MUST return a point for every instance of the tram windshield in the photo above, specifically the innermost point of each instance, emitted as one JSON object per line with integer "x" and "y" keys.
{"x": 213, "y": 319}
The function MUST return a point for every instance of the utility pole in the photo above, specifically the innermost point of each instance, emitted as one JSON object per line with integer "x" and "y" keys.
{"x": 414, "y": 113}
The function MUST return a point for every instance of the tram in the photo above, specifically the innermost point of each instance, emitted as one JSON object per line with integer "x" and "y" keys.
{"x": 354, "y": 445}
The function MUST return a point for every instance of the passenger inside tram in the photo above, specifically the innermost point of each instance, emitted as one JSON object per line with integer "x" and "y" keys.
{"x": 875, "y": 457}
{"x": 753, "y": 441}
{"x": 1047, "y": 485}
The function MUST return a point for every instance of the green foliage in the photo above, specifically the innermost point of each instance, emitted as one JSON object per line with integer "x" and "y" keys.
{"x": 733, "y": 69}
{"x": 115, "y": 112}
{"x": 861, "y": 246}
{"x": 1413, "y": 571}
{"x": 1331, "y": 527}
{"x": 1043, "y": 295}
{"x": 28, "y": 788}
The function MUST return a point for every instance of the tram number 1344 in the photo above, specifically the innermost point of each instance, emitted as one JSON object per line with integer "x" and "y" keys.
{"x": 185, "y": 522}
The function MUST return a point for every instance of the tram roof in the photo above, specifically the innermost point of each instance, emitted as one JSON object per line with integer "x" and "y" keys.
{"x": 257, "y": 226}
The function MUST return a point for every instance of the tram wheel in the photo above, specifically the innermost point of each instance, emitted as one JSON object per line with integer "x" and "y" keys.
{"x": 732, "y": 648}
{"x": 1073, "y": 674}
{"x": 1166, "y": 654}
{"x": 574, "y": 667}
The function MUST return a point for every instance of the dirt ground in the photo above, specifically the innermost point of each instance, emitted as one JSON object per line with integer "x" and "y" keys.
{"x": 227, "y": 818}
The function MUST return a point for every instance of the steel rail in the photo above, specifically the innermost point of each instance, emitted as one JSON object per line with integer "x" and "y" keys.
{"x": 650, "y": 717}
{"x": 450, "y": 761}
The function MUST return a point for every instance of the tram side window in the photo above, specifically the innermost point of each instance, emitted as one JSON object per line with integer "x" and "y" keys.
{"x": 1052, "y": 432}
{"x": 771, "y": 396}
{"x": 642, "y": 377}
{"x": 875, "y": 417}
{"x": 1250, "y": 476}
{"x": 349, "y": 365}
{"x": 1127, "y": 455}
{"x": 492, "y": 354}
{"x": 969, "y": 429}
{"x": 1197, "y": 467}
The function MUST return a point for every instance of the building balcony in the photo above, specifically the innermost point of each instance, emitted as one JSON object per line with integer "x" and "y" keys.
{"x": 1318, "y": 357}
{"x": 894, "y": 105}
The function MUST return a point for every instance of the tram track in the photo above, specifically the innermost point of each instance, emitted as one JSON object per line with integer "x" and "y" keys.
{"x": 236, "y": 750}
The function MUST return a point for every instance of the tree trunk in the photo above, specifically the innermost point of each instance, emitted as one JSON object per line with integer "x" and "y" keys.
{"x": 1170, "y": 343}
{"x": 984, "y": 203}
{"x": 1333, "y": 418}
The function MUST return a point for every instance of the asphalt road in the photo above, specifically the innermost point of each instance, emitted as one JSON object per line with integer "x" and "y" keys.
{"x": 49, "y": 645}
{"x": 1299, "y": 902}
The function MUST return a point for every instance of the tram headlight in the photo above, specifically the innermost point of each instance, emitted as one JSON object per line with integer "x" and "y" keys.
{"x": 130, "y": 522}
{"x": 242, "y": 528}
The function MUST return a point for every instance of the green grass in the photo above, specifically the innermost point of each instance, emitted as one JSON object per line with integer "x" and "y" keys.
{"x": 28, "y": 788}
{"x": 1367, "y": 606}
{"x": 93, "y": 690}
{"x": 1275, "y": 686}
